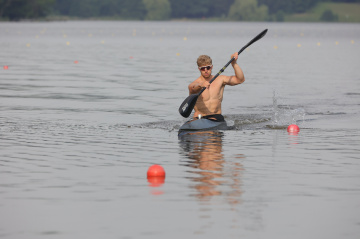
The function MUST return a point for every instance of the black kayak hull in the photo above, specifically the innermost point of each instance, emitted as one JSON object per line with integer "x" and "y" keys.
{"x": 203, "y": 125}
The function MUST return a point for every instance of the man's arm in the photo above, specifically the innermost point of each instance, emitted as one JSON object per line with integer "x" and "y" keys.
{"x": 239, "y": 77}
{"x": 196, "y": 86}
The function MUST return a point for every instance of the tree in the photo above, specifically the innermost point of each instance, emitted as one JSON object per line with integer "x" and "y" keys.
{"x": 22, "y": 9}
{"x": 190, "y": 8}
{"x": 288, "y": 6}
{"x": 280, "y": 16}
{"x": 219, "y": 8}
{"x": 247, "y": 10}
{"x": 126, "y": 9}
{"x": 4, "y": 5}
{"x": 132, "y": 9}
{"x": 84, "y": 8}
{"x": 157, "y": 9}
{"x": 329, "y": 16}
{"x": 62, "y": 7}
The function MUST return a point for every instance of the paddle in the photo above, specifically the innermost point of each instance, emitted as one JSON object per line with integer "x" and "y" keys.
{"x": 188, "y": 104}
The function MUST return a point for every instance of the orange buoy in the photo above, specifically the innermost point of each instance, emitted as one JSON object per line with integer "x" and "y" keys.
{"x": 76, "y": 62}
{"x": 6, "y": 67}
{"x": 293, "y": 128}
{"x": 156, "y": 171}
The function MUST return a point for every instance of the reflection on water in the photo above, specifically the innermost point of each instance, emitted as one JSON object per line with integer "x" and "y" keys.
{"x": 213, "y": 175}
{"x": 155, "y": 183}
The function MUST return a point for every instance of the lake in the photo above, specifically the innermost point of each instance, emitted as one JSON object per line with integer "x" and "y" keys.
{"x": 86, "y": 107}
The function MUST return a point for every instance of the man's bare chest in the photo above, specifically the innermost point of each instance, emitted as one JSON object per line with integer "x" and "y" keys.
{"x": 214, "y": 92}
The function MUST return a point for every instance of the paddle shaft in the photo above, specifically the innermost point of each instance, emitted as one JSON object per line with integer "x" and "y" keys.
{"x": 232, "y": 59}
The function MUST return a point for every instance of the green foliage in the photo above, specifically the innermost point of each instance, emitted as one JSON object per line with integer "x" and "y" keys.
{"x": 247, "y": 10}
{"x": 219, "y": 8}
{"x": 243, "y": 10}
{"x": 126, "y": 9}
{"x": 199, "y": 8}
{"x": 347, "y": 12}
{"x": 157, "y": 9}
{"x": 84, "y": 8}
{"x": 345, "y": 1}
{"x": 288, "y": 6}
{"x": 280, "y": 16}
{"x": 21, "y": 9}
{"x": 329, "y": 16}
{"x": 190, "y": 8}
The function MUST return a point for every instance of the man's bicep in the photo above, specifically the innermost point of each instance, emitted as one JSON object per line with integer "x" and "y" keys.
{"x": 228, "y": 80}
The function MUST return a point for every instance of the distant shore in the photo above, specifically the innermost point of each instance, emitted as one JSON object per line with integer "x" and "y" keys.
{"x": 341, "y": 12}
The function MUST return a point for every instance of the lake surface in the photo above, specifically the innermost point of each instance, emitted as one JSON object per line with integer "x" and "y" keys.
{"x": 87, "y": 107}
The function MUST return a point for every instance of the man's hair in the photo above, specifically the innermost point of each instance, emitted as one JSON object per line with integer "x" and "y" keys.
{"x": 204, "y": 60}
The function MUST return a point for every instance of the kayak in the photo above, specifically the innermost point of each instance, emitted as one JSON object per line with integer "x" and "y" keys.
{"x": 203, "y": 125}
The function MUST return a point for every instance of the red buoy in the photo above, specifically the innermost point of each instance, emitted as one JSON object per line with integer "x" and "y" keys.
{"x": 156, "y": 171}
{"x": 6, "y": 67}
{"x": 293, "y": 128}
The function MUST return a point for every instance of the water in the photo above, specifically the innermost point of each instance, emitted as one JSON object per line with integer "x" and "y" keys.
{"x": 77, "y": 139}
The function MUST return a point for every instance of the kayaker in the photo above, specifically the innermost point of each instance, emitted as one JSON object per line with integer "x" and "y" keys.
{"x": 208, "y": 105}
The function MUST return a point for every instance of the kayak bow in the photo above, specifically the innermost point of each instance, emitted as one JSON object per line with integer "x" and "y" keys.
{"x": 203, "y": 125}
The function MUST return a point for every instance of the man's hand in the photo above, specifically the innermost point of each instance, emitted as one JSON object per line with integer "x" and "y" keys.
{"x": 205, "y": 84}
{"x": 236, "y": 56}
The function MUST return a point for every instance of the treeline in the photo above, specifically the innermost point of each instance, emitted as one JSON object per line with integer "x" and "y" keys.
{"x": 239, "y": 10}
{"x": 25, "y": 9}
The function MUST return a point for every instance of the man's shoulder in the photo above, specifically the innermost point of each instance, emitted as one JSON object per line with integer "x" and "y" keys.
{"x": 225, "y": 79}
{"x": 197, "y": 80}
{"x": 220, "y": 80}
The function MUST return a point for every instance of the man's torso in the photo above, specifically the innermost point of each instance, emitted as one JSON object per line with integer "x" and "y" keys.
{"x": 209, "y": 102}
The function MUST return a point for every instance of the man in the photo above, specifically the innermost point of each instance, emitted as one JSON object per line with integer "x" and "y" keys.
{"x": 208, "y": 105}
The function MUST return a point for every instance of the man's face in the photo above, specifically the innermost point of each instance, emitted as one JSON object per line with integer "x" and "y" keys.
{"x": 205, "y": 70}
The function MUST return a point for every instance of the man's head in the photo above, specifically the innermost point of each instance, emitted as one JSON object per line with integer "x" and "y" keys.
{"x": 204, "y": 63}
{"x": 204, "y": 60}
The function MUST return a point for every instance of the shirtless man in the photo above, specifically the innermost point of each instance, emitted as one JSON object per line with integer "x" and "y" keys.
{"x": 208, "y": 105}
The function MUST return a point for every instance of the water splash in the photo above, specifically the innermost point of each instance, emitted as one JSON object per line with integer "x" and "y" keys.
{"x": 283, "y": 115}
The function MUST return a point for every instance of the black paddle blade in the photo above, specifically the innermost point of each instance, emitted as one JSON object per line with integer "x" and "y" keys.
{"x": 187, "y": 105}
{"x": 258, "y": 37}
{"x": 261, "y": 35}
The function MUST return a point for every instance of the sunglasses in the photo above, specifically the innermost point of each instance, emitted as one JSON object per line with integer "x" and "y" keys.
{"x": 205, "y": 67}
